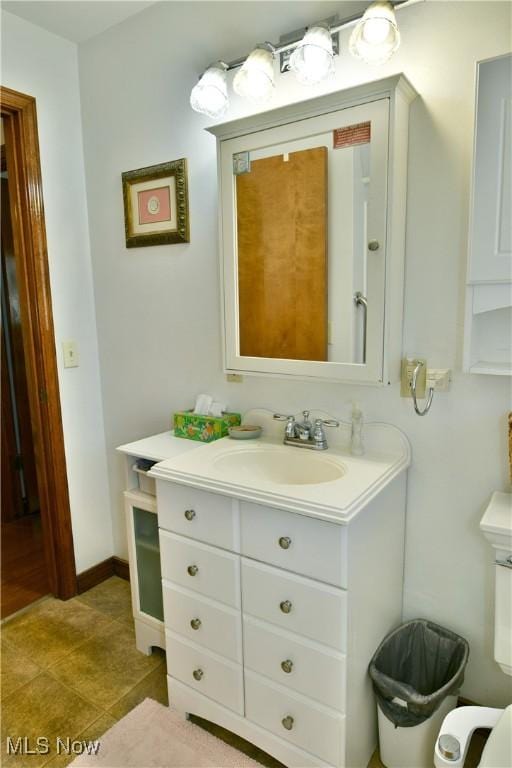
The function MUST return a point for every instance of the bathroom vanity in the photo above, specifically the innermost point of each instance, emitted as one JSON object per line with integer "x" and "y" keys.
{"x": 281, "y": 572}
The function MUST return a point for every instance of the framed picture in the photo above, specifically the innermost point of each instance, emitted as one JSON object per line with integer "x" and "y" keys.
{"x": 156, "y": 204}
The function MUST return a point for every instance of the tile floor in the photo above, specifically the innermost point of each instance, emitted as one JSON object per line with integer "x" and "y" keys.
{"x": 71, "y": 669}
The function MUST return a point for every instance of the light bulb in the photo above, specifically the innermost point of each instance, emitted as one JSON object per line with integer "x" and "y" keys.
{"x": 255, "y": 80}
{"x": 375, "y": 37}
{"x": 210, "y": 95}
{"x": 375, "y": 31}
{"x": 313, "y": 59}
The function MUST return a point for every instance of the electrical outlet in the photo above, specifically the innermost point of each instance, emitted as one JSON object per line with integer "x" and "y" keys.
{"x": 408, "y": 366}
{"x": 235, "y": 378}
{"x": 70, "y": 353}
{"x": 439, "y": 379}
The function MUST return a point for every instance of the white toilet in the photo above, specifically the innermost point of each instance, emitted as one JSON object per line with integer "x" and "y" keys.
{"x": 458, "y": 726}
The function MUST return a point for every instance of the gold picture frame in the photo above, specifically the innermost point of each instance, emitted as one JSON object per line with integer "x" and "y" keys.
{"x": 156, "y": 204}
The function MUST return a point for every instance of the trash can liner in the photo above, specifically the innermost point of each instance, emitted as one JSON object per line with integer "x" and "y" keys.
{"x": 419, "y": 663}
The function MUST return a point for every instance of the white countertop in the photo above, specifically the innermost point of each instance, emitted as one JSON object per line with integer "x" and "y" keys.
{"x": 339, "y": 500}
{"x": 159, "y": 447}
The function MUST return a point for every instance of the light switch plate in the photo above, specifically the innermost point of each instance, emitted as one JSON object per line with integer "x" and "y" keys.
{"x": 70, "y": 353}
{"x": 408, "y": 366}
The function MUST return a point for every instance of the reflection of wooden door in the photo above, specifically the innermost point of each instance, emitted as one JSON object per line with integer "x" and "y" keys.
{"x": 282, "y": 256}
{"x": 20, "y": 459}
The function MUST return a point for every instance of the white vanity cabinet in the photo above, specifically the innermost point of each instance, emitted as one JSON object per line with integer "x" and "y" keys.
{"x": 271, "y": 618}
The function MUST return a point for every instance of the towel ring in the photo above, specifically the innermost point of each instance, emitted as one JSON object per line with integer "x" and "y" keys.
{"x": 430, "y": 395}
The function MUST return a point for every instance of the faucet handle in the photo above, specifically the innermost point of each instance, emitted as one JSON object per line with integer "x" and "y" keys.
{"x": 326, "y": 423}
{"x": 290, "y": 424}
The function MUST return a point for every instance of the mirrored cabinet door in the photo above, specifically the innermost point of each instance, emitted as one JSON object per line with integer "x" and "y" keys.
{"x": 305, "y": 243}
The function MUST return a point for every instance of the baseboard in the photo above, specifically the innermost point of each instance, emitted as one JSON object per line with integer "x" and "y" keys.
{"x": 121, "y": 568}
{"x": 113, "y": 566}
{"x": 462, "y": 702}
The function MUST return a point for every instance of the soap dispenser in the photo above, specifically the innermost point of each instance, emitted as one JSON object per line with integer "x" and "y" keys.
{"x": 356, "y": 438}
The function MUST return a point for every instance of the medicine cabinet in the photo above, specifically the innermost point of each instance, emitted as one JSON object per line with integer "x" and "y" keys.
{"x": 312, "y": 229}
{"x": 488, "y": 326}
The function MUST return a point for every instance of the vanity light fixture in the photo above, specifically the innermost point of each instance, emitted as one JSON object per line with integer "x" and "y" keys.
{"x": 376, "y": 37}
{"x": 255, "y": 79}
{"x": 313, "y": 58}
{"x": 308, "y": 53}
{"x": 210, "y": 94}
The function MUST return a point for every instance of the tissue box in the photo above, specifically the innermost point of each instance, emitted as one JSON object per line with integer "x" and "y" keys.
{"x": 195, "y": 426}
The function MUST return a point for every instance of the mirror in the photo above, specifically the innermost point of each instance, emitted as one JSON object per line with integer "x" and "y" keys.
{"x": 304, "y": 239}
{"x": 301, "y": 210}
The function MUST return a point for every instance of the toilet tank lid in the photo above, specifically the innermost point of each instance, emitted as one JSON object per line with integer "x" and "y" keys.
{"x": 497, "y": 520}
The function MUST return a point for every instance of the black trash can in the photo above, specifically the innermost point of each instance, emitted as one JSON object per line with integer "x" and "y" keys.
{"x": 416, "y": 671}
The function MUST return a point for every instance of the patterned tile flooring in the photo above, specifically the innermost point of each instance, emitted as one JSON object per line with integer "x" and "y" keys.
{"x": 71, "y": 670}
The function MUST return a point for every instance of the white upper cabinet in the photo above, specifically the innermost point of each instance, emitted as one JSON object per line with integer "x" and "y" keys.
{"x": 491, "y": 226}
{"x": 312, "y": 230}
{"x": 488, "y": 323}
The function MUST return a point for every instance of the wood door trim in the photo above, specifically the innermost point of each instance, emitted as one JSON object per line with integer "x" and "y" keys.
{"x": 29, "y": 234}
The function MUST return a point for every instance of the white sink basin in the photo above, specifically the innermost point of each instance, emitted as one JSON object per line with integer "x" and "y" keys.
{"x": 331, "y": 485}
{"x": 282, "y": 467}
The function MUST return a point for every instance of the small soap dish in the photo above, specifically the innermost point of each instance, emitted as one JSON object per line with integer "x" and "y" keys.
{"x": 245, "y": 432}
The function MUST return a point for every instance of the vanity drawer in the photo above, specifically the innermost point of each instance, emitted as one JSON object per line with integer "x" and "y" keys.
{"x": 198, "y": 514}
{"x": 315, "y": 729}
{"x": 203, "y": 621}
{"x": 215, "y": 677}
{"x": 209, "y": 571}
{"x": 297, "y": 604}
{"x": 295, "y": 542}
{"x": 298, "y": 664}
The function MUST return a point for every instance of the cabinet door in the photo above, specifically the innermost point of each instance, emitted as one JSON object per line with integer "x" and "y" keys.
{"x": 144, "y": 553}
{"x": 491, "y": 235}
{"x": 279, "y": 227}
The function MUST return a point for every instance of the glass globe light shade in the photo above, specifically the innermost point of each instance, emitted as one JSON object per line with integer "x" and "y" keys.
{"x": 210, "y": 95}
{"x": 376, "y": 37}
{"x": 313, "y": 59}
{"x": 255, "y": 79}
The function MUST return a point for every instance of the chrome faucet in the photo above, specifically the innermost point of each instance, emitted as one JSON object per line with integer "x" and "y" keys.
{"x": 304, "y": 434}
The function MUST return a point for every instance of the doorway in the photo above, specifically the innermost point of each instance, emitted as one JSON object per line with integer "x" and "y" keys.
{"x": 37, "y": 543}
{"x": 24, "y": 575}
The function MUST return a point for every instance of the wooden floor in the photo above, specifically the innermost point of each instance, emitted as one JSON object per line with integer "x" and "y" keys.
{"x": 23, "y": 578}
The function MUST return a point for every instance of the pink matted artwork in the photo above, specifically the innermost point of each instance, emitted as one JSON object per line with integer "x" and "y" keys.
{"x": 154, "y": 205}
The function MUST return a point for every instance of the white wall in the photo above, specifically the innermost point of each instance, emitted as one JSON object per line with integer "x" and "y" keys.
{"x": 40, "y": 64}
{"x": 158, "y": 308}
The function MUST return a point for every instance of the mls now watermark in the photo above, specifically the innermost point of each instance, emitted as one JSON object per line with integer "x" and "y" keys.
{"x": 23, "y": 745}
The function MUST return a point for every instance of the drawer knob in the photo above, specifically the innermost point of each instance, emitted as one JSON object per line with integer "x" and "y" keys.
{"x": 285, "y": 542}
{"x": 287, "y": 666}
{"x": 195, "y": 623}
{"x": 189, "y": 514}
{"x": 285, "y": 606}
{"x": 192, "y": 570}
{"x": 287, "y": 722}
{"x": 197, "y": 674}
